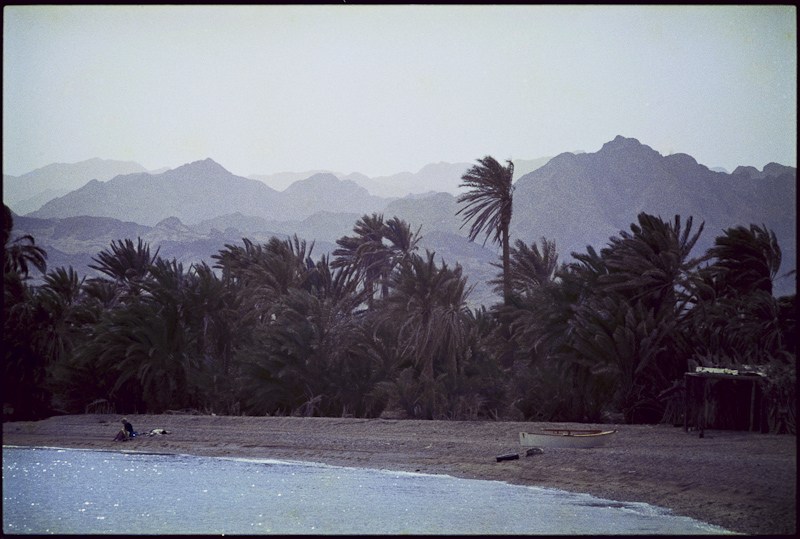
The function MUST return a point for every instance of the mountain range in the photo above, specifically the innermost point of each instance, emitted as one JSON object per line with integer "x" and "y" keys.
{"x": 30, "y": 191}
{"x": 581, "y": 200}
{"x": 445, "y": 176}
{"x": 576, "y": 199}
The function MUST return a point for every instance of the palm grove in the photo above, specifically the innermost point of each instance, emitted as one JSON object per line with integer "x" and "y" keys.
{"x": 378, "y": 326}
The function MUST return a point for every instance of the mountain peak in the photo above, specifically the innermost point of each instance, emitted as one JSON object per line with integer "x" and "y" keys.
{"x": 776, "y": 169}
{"x": 171, "y": 223}
{"x": 206, "y": 166}
{"x": 629, "y": 146}
{"x": 682, "y": 160}
{"x": 319, "y": 181}
{"x": 621, "y": 143}
{"x": 770, "y": 170}
{"x": 321, "y": 177}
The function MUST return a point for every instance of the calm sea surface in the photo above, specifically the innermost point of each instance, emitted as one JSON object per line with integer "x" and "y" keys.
{"x": 51, "y": 490}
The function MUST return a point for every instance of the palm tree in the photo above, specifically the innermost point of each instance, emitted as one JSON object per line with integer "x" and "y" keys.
{"x": 215, "y": 314}
{"x": 554, "y": 382}
{"x": 623, "y": 341}
{"x": 287, "y": 265}
{"x": 25, "y": 364}
{"x": 146, "y": 343}
{"x": 235, "y": 260}
{"x": 652, "y": 263}
{"x": 61, "y": 300}
{"x": 375, "y": 251}
{"x": 610, "y": 318}
{"x": 429, "y": 305}
{"x": 737, "y": 319}
{"x": 364, "y": 254}
{"x": 311, "y": 358}
{"x": 141, "y": 350}
{"x": 747, "y": 259}
{"x": 403, "y": 241}
{"x": 20, "y": 252}
{"x": 488, "y": 206}
{"x": 126, "y": 265}
{"x": 266, "y": 272}
{"x": 531, "y": 267}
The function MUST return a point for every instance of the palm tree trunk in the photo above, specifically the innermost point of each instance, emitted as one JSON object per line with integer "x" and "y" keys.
{"x": 428, "y": 388}
{"x": 506, "y": 264}
{"x": 508, "y": 356}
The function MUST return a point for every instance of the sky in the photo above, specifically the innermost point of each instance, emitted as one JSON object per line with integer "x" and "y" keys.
{"x": 386, "y": 89}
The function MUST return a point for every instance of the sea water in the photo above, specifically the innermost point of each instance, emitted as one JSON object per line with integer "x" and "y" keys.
{"x": 67, "y": 491}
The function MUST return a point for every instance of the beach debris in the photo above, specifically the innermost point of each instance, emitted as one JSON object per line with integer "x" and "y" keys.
{"x": 515, "y": 456}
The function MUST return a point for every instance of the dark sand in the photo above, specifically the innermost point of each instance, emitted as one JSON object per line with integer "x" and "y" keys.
{"x": 744, "y": 482}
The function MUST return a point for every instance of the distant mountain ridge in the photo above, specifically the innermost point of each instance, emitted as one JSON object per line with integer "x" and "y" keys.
{"x": 281, "y": 180}
{"x": 435, "y": 176}
{"x": 184, "y": 192}
{"x": 202, "y": 190}
{"x": 40, "y": 185}
{"x": 440, "y": 177}
{"x": 24, "y": 197}
{"x": 576, "y": 199}
{"x": 580, "y": 200}
{"x": 324, "y": 192}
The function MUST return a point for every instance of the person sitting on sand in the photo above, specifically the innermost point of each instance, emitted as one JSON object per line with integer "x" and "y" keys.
{"x": 126, "y": 431}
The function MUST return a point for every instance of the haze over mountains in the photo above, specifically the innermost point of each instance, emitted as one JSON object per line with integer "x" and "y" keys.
{"x": 204, "y": 190}
{"x": 30, "y": 191}
{"x": 445, "y": 176}
{"x": 577, "y": 199}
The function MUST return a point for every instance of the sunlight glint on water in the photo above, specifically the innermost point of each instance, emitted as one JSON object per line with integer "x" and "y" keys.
{"x": 47, "y": 490}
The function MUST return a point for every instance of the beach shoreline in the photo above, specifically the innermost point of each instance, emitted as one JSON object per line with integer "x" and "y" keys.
{"x": 744, "y": 482}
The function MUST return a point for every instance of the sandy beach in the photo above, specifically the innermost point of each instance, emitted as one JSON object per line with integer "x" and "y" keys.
{"x": 744, "y": 482}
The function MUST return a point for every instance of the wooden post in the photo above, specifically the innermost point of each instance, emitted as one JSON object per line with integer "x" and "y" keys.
{"x": 705, "y": 407}
{"x": 752, "y": 404}
{"x": 686, "y": 381}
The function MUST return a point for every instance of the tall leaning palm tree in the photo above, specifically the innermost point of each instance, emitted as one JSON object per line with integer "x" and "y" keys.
{"x": 488, "y": 206}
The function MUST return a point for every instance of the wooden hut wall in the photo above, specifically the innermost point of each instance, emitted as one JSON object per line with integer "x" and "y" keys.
{"x": 729, "y": 403}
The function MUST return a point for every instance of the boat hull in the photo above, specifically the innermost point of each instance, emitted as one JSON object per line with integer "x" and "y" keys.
{"x": 565, "y": 438}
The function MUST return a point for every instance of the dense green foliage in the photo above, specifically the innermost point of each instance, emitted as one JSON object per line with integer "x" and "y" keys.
{"x": 379, "y": 327}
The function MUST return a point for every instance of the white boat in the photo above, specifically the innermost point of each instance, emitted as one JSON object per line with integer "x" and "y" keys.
{"x": 565, "y": 438}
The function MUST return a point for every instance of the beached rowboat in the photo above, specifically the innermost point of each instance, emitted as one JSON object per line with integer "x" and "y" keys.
{"x": 565, "y": 438}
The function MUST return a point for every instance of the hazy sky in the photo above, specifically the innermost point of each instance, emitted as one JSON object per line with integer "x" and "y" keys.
{"x": 383, "y": 89}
